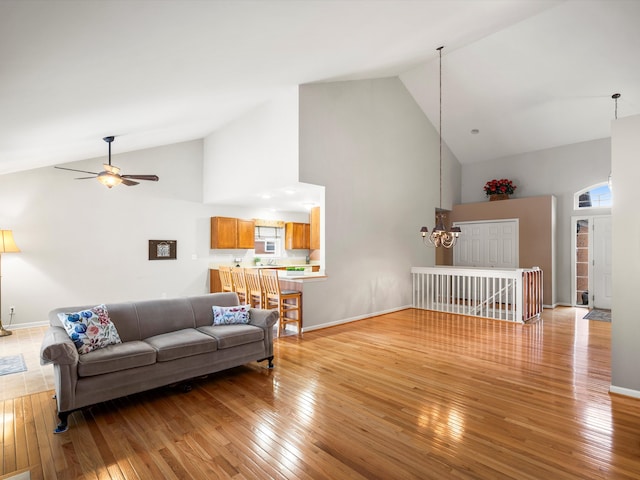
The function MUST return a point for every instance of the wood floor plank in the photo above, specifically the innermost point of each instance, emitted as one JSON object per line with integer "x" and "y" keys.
{"x": 8, "y": 436}
{"x": 412, "y": 394}
{"x": 20, "y": 431}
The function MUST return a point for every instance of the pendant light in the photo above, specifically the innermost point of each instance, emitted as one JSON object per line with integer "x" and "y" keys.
{"x": 615, "y": 97}
{"x": 440, "y": 237}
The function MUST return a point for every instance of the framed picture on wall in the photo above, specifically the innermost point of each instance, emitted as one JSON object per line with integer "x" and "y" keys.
{"x": 163, "y": 249}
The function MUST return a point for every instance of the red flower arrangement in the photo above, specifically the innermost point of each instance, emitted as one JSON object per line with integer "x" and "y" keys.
{"x": 493, "y": 187}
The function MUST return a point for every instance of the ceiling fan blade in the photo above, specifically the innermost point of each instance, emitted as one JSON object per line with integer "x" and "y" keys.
{"x": 152, "y": 178}
{"x": 74, "y": 170}
{"x": 83, "y": 178}
{"x": 129, "y": 183}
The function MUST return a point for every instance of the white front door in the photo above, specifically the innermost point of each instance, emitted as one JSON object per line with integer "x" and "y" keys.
{"x": 602, "y": 262}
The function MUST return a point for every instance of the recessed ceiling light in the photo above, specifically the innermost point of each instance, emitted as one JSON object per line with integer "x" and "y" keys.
{"x": 266, "y": 196}
{"x": 475, "y": 131}
{"x": 290, "y": 191}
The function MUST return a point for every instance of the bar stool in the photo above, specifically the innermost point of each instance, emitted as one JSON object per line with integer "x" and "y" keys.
{"x": 286, "y": 301}
{"x": 255, "y": 292}
{"x": 225, "y": 279}
{"x": 239, "y": 284}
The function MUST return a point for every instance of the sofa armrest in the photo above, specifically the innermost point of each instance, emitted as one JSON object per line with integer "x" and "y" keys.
{"x": 263, "y": 318}
{"x": 58, "y": 348}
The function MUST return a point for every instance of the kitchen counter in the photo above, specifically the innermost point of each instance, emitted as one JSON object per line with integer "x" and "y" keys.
{"x": 287, "y": 282}
{"x": 303, "y": 277}
{"x": 280, "y": 266}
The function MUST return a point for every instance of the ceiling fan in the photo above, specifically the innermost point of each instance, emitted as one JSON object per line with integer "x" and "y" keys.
{"x": 110, "y": 176}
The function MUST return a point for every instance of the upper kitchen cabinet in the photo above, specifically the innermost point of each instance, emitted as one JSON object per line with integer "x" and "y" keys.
{"x": 296, "y": 236}
{"x": 246, "y": 233}
{"x": 229, "y": 232}
{"x": 314, "y": 236}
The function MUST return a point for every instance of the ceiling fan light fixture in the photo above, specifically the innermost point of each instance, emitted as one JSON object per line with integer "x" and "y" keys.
{"x": 110, "y": 176}
{"x": 109, "y": 180}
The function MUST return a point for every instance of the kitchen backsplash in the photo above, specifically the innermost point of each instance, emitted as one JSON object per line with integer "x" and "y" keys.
{"x": 291, "y": 257}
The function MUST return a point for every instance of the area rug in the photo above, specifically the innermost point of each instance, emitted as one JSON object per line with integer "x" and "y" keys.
{"x": 599, "y": 314}
{"x": 12, "y": 364}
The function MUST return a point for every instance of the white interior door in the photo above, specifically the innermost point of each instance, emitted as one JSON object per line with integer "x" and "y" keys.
{"x": 602, "y": 262}
{"x": 487, "y": 244}
{"x": 467, "y": 251}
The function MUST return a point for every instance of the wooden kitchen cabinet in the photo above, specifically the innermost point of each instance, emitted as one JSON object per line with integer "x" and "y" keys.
{"x": 231, "y": 233}
{"x": 246, "y": 234}
{"x": 296, "y": 236}
{"x": 314, "y": 236}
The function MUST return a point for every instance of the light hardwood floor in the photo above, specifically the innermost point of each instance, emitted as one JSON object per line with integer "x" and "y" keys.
{"x": 412, "y": 394}
{"x": 38, "y": 377}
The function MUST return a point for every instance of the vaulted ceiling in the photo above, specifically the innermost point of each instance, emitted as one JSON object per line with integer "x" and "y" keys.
{"x": 528, "y": 74}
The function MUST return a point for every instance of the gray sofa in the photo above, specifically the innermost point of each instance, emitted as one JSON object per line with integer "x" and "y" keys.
{"x": 163, "y": 342}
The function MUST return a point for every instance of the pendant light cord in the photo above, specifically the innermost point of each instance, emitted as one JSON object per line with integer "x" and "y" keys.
{"x": 440, "y": 120}
{"x": 615, "y": 97}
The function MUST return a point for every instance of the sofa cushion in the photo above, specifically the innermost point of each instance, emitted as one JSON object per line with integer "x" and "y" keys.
{"x": 90, "y": 329}
{"x": 165, "y": 315}
{"x": 181, "y": 343}
{"x": 230, "y": 315}
{"x": 233, "y": 335}
{"x": 114, "y": 358}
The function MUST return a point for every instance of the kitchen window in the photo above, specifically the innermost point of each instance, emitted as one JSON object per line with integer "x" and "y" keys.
{"x": 268, "y": 241}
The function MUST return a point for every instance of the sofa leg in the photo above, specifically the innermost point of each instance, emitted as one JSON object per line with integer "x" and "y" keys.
{"x": 270, "y": 360}
{"x": 63, "y": 426}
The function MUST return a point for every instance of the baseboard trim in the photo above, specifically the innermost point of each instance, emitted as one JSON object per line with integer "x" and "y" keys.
{"x": 354, "y": 319}
{"x": 20, "y": 326}
{"x": 627, "y": 392}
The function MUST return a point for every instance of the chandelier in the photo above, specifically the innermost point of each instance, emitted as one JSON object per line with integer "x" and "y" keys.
{"x": 440, "y": 237}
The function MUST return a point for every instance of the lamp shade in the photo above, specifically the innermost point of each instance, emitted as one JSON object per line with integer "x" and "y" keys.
{"x": 7, "y": 244}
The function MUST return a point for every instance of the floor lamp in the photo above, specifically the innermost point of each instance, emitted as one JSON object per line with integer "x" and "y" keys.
{"x": 7, "y": 245}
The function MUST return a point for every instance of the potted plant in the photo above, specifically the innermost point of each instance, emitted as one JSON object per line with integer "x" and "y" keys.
{"x": 499, "y": 189}
{"x": 295, "y": 271}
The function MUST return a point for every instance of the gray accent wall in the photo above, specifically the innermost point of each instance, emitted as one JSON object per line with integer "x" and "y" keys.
{"x": 376, "y": 154}
{"x": 560, "y": 172}
{"x": 625, "y": 323}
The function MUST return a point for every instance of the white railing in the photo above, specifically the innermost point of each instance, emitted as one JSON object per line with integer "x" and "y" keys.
{"x": 503, "y": 294}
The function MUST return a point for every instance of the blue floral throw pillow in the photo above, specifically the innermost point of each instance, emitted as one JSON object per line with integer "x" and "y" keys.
{"x": 231, "y": 315}
{"x": 90, "y": 329}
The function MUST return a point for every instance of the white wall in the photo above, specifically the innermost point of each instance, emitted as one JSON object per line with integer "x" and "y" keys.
{"x": 256, "y": 150}
{"x": 85, "y": 244}
{"x": 376, "y": 154}
{"x": 625, "y": 323}
{"x": 561, "y": 172}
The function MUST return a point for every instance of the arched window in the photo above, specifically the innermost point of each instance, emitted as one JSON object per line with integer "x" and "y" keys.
{"x": 595, "y": 196}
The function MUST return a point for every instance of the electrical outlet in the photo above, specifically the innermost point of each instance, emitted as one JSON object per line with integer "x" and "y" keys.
{"x": 12, "y": 310}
